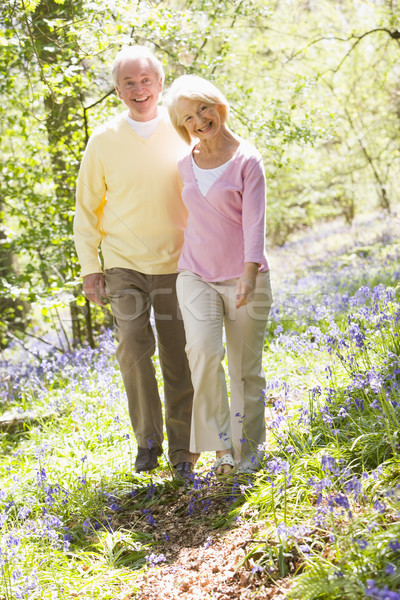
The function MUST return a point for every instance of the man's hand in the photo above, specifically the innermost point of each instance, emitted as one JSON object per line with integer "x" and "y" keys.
{"x": 94, "y": 288}
{"x": 246, "y": 284}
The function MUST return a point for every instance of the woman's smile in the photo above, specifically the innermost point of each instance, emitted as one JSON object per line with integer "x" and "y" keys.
{"x": 200, "y": 118}
{"x": 206, "y": 127}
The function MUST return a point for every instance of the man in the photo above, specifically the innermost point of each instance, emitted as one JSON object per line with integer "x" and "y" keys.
{"x": 128, "y": 201}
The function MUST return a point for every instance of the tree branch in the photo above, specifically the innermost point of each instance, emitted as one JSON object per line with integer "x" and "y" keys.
{"x": 395, "y": 35}
{"x": 87, "y": 108}
{"x": 33, "y": 42}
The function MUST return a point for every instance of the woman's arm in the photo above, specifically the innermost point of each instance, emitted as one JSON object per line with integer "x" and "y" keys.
{"x": 246, "y": 284}
{"x": 253, "y": 225}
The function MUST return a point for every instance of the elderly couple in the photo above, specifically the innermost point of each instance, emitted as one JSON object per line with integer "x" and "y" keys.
{"x": 176, "y": 202}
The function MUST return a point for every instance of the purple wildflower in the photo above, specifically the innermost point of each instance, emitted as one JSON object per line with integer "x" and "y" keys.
{"x": 149, "y": 517}
{"x": 372, "y": 591}
{"x": 86, "y": 525}
{"x": 379, "y": 506}
{"x": 328, "y": 464}
{"x": 257, "y": 569}
{"x": 153, "y": 559}
{"x": 394, "y": 545}
{"x": 390, "y": 569}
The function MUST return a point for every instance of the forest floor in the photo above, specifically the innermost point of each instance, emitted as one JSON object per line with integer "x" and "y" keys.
{"x": 201, "y": 561}
{"x": 207, "y": 563}
{"x": 77, "y": 522}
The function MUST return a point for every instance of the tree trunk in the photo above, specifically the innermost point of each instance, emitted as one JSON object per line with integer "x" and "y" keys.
{"x": 64, "y": 125}
{"x": 14, "y": 312}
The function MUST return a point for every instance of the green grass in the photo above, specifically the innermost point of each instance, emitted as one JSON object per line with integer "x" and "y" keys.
{"x": 77, "y": 522}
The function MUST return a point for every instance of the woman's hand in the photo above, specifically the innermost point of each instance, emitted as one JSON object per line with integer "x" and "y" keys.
{"x": 246, "y": 284}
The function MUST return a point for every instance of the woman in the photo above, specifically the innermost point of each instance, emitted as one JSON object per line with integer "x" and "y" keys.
{"x": 223, "y": 275}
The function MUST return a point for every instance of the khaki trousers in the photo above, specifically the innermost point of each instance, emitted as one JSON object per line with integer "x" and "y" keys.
{"x": 132, "y": 295}
{"x": 206, "y": 309}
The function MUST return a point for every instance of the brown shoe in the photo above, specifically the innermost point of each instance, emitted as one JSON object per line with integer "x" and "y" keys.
{"x": 184, "y": 470}
{"x": 147, "y": 459}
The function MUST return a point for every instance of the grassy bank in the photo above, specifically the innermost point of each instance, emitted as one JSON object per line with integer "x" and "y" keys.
{"x": 76, "y": 522}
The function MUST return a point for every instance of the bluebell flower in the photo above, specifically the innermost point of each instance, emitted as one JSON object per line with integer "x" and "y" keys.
{"x": 379, "y": 506}
{"x": 257, "y": 569}
{"x": 328, "y": 464}
{"x": 340, "y": 500}
{"x": 149, "y": 517}
{"x": 151, "y": 490}
{"x": 282, "y": 530}
{"x": 86, "y": 525}
{"x": 354, "y": 485}
{"x": 240, "y": 417}
{"x": 153, "y": 559}
{"x": 394, "y": 545}
{"x": 277, "y": 466}
{"x": 191, "y": 506}
{"x": 372, "y": 591}
{"x": 197, "y": 483}
{"x": 375, "y": 380}
{"x": 390, "y": 569}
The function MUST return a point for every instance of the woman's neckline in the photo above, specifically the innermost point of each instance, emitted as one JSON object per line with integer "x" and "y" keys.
{"x": 217, "y": 166}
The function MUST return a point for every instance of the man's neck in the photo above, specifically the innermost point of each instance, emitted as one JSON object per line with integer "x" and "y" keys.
{"x": 145, "y": 119}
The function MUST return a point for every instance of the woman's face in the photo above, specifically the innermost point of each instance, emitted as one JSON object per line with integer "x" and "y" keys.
{"x": 201, "y": 120}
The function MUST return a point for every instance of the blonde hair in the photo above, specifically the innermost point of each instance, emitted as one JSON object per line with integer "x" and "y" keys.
{"x": 193, "y": 87}
{"x": 135, "y": 53}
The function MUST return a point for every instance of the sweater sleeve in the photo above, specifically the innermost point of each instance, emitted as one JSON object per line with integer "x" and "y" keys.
{"x": 90, "y": 200}
{"x": 253, "y": 212}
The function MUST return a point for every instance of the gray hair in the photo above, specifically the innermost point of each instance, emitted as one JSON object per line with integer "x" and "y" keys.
{"x": 135, "y": 53}
{"x": 193, "y": 87}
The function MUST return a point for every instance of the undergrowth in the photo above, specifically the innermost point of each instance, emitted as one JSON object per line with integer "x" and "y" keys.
{"x": 76, "y": 521}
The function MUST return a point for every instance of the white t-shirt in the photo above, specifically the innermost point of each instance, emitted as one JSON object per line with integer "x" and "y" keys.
{"x": 144, "y": 128}
{"x": 206, "y": 177}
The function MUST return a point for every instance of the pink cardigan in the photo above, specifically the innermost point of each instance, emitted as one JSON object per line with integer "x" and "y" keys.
{"x": 225, "y": 228}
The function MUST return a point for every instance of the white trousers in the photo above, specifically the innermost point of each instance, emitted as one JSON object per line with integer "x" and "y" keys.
{"x": 206, "y": 308}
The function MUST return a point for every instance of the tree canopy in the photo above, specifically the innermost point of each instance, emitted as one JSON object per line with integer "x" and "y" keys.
{"x": 314, "y": 84}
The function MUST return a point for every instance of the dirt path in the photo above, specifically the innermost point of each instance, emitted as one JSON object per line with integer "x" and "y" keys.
{"x": 211, "y": 571}
{"x": 198, "y": 556}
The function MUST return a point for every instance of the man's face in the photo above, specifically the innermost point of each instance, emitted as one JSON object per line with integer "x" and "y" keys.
{"x": 139, "y": 87}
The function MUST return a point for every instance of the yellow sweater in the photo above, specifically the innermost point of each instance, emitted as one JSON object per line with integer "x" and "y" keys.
{"x": 128, "y": 199}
